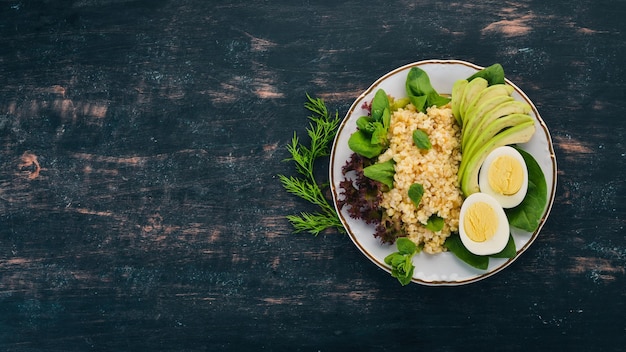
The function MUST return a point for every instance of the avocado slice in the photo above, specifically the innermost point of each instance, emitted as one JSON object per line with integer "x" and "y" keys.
{"x": 457, "y": 95}
{"x": 494, "y": 128}
{"x": 470, "y": 92}
{"x": 488, "y": 93}
{"x": 470, "y": 164}
{"x": 481, "y": 122}
{"x": 477, "y": 111}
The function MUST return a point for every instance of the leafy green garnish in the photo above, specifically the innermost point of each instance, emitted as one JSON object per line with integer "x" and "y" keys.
{"x": 421, "y": 93}
{"x": 321, "y": 131}
{"x": 527, "y": 215}
{"x": 421, "y": 140}
{"x": 416, "y": 191}
{"x": 454, "y": 245}
{"x": 360, "y": 142}
{"x": 508, "y": 252}
{"x": 370, "y": 140}
{"x": 380, "y": 103}
{"x": 381, "y": 172}
{"x": 494, "y": 74}
{"x": 435, "y": 223}
{"x": 402, "y": 261}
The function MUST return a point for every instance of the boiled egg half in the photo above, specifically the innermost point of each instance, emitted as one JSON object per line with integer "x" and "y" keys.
{"x": 483, "y": 226}
{"x": 504, "y": 176}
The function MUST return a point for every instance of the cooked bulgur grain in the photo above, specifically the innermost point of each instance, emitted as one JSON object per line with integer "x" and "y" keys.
{"x": 435, "y": 169}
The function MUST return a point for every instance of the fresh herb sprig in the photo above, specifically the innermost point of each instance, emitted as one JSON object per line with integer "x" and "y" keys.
{"x": 402, "y": 261}
{"x": 321, "y": 131}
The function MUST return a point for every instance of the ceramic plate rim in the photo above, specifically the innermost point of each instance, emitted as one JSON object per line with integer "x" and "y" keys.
{"x": 473, "y": 275}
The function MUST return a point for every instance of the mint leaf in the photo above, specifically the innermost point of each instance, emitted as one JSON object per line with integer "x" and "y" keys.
{"x": 435, "y": 223}
{"x": 405, "y": 246}
{"x": 416, "y": 191}
{"x": 401, "y": 262}
{"x": 421, "y": 140}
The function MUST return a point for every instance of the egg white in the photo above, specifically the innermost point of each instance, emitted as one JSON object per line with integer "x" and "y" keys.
{"x": 499, "y": 240}
{"x": 506, "y": 201}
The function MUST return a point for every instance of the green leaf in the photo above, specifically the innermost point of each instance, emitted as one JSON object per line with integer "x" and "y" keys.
{"x": 361, "y": 143}
{"x": 406, "y": 246}
{"x": 421, "y": 140}
{"x": 401, "y": 262}
{"x": 379, "y": 136}
{"x": 494, "y": 74}
{"x": 381, "y": 172}
{"x": 416, "y": 191}
{"x": 435, "y": 223}
{"x": 420, "y": 91}
{"x": 380, "y": 102}
{"x": 454, "y": 245}
{"x": 364, "y": 123}
{"x": 386, "y": 119}
{"x": 370, "y": 140}
{"x": 509, "y": 251}
{"x": 419, "y": 102}
{"x": 395, "y": 259}
{"x": 527, "y": 215}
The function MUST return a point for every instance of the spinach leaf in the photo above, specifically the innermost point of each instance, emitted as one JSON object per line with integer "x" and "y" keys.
{"x": 370, "y": 140}
{"x": 381, "y": 172}
{"x": 380, "y": 102}
{"x": 421, "y": 93}
{"x": 509, "y": 251}
{"x": 494, "y": 74}
{"x": 360, "y": 142}
{"x": 421, "y": 140}
{"x": 435, "y": 223}
{"x": 528, "y": 214}
{"x": 379, "y": 134}
{"x": 455, "y": 245}
{"x": 365, "y": 123}
{"x": 416, "y": 191}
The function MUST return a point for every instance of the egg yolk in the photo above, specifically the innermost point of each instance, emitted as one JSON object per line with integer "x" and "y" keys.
{"x": 505, "y": 175}
{"x": 480, "y": 222}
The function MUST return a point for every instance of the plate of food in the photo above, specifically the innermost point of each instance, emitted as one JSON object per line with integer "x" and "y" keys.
{"x": 443, "y": 172}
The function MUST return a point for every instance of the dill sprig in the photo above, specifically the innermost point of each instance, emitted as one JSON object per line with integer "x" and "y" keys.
{"x": 321, "y": 131}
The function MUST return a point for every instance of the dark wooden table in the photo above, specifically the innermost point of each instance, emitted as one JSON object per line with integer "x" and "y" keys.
{"x": 140, "y": 208}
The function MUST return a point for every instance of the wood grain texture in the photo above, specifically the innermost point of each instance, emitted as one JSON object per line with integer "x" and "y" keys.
{"x": 139, "y": 203}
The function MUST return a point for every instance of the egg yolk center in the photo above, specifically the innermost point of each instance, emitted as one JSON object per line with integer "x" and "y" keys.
{"x": 506, "y": 175}
{"x": 480, "y": 222}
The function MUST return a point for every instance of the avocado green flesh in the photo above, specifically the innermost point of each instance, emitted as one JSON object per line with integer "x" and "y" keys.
{"x": 488, "y": 93}
{"x": 475, "y": 115}
{"x": 494, "y": 128}
{"x": 480, "y": 123}
{"x": 470, "y": 164}
{"x": 457, "y": 94}
{"x": 470, "y": 92}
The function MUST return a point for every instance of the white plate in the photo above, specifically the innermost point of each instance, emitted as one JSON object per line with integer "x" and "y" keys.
{"x": 445, "y": 268}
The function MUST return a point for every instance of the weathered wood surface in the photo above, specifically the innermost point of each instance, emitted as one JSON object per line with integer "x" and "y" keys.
{"x": 139, "y": 204}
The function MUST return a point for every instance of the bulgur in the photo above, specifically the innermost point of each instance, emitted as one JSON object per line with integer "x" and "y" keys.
{"x": 435, "y": 169}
